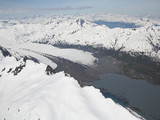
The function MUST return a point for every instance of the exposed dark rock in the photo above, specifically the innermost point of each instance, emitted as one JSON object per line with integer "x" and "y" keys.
{"x": 18, "y": 69}
{"x": 4, "y": 52}
{"x": 9, "y": 70}
{"x": 31, "y": 58}
{"x": 50, "y": 70}
{"x": 25, "y": 58}
{"x": 3, "y": 69}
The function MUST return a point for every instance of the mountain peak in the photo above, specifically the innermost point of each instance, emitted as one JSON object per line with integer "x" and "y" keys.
{"x": 80, "y": 22}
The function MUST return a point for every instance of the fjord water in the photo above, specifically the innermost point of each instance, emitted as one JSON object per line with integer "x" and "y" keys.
{"x": 116, "y": 24}
{"x": 140, "y": 95}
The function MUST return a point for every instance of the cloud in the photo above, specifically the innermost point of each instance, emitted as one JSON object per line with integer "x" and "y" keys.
{"x": 85, "y": 7}
{"x": 64, "y": 8}
{"x": 23, "y": 10}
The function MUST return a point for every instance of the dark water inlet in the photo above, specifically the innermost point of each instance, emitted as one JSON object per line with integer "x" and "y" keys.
{"x": 142, "y": 96}
{"x": 116, "y": 24}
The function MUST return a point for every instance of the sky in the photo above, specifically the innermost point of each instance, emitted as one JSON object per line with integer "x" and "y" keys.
{"x": 44, "y": 7}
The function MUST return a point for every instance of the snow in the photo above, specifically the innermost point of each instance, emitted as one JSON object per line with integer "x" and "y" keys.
{"x": 76, "y": 31}
{"x": 1, "y": 55}
{"x": 32, "y": 95}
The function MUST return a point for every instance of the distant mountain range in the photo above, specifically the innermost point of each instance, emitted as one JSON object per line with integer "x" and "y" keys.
{"x": 82, "y": 30}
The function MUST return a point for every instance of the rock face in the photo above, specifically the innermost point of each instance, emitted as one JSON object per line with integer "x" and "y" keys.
{"x": 49, "y": 70}
{"x": 4, "y": 52}
{"x": 143, "y": 40}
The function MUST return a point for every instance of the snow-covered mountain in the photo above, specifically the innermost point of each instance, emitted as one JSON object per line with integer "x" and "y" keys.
{"x": 31, "y": 90}
{"x": 28, "y": 93}
{"x": 143, "y": 40}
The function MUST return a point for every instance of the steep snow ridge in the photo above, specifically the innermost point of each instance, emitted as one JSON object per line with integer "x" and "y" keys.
{"x": 35, "y": 96}
{"x": 70, "y": 30}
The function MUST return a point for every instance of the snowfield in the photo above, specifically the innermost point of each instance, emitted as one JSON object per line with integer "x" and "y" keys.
{"x": 33, "y": 95}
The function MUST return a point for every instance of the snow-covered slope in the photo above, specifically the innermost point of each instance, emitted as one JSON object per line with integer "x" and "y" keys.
{"x": 72, "y": 30}
{"x": 31, "y": 94}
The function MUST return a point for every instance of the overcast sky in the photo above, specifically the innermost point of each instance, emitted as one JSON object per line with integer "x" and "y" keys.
{"x": 36, "y": 7}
